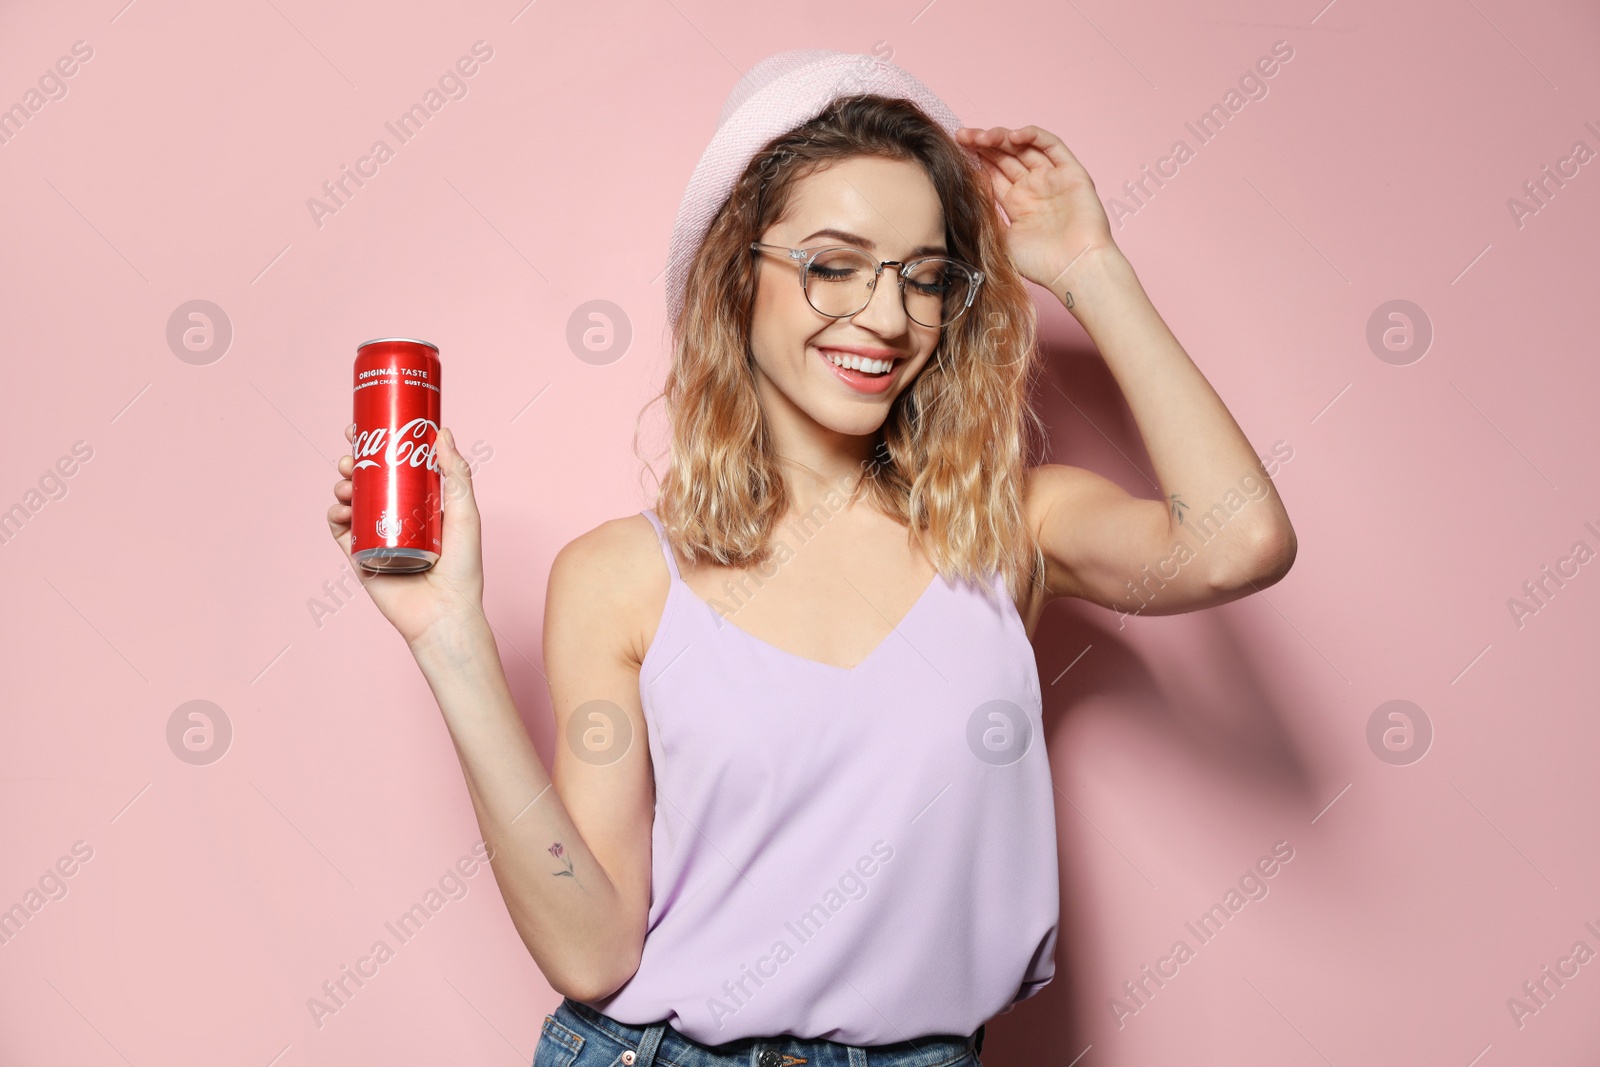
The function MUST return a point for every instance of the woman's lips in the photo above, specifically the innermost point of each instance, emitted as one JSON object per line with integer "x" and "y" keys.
{"x": 870, "y": 384}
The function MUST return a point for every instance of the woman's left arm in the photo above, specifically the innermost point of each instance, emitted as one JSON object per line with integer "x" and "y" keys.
{"x": 1220, "y": 531}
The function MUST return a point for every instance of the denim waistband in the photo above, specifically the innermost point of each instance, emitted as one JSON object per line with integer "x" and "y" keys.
{"x": 659, "y": 1045}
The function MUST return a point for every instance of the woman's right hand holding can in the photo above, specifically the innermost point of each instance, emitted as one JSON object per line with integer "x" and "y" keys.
{"x": 447, "y": 599}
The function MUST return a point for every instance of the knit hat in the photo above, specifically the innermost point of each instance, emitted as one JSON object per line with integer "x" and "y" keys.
{"x": 778, "y": 94}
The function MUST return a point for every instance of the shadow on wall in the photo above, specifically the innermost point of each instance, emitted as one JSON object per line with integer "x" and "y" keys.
{"x": 1232, "y": 732}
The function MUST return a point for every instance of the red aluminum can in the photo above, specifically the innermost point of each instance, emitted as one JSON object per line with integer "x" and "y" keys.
{"x": 396, "y": 504}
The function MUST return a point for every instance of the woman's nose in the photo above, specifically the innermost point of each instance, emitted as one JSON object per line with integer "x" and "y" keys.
{"x": 885, "y": 304}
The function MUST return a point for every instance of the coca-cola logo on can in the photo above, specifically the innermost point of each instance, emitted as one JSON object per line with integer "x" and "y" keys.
{"x": 413, "y": 444}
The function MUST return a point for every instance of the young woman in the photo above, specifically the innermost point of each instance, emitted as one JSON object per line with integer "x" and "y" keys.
{"x": 801, "y": 811}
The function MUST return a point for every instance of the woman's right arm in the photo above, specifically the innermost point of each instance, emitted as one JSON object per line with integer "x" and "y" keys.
{"x": 572, "y": 858}
{"x": 585, "y": 929}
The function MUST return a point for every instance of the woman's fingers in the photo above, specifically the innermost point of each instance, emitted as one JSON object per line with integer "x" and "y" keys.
{"x": 339, "y": 520}
{"x": 1007, "y": 160}
{"x": 339, "y": 512}
{"x": 1001, "y": 184}
{"x": 1053, "y": 147}
{"x": 1030, "y": 144}
{"x": 997, "y": 160}
{"x": 457, "y": 478}
{"x": 1019, "y": 151}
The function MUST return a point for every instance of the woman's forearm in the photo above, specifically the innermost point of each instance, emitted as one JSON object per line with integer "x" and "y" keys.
{"x": 572, "y": 926}
{"x": 1198, "y": 451}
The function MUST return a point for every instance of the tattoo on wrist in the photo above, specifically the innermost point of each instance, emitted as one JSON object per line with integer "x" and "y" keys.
{"x": 1177, "y": 507}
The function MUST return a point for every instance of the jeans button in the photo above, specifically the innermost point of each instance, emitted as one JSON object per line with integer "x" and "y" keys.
{"x": 628, "y": 1057}
{"x": 768, "y": 1058}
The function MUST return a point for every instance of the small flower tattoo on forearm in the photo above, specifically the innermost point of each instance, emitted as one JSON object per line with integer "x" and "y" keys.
{"x": 560, "y": 853}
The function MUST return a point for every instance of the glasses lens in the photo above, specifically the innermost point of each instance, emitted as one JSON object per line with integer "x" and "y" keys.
{"x": 935, "y": 289}
{"x": 837, "y": 281}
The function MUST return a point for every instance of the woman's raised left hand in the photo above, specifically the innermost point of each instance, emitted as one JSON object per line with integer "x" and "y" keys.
{"x": 1046, "y": 193}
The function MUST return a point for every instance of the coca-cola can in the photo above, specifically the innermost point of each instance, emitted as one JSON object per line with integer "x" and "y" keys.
{"x": 396, "y": 512}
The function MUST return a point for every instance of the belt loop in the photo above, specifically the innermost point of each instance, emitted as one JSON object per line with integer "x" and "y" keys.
{"x": 648, "y": 1045}
{"x": 858, "y": 1056}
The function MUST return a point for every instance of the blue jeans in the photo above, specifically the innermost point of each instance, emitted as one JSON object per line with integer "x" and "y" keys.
{"x": 579, "y": 1036}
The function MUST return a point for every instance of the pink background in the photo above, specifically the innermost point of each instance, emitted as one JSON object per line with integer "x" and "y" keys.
{"x": 184, "y": 559}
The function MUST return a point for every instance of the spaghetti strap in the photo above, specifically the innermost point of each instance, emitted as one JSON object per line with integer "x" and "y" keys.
{"x": 666, "y": 546}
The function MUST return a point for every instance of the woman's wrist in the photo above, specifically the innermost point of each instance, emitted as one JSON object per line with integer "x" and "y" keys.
{"x": 1093, "y": 269}
{"x": 455, "y": 644}
{"x": 1102, "y": 280}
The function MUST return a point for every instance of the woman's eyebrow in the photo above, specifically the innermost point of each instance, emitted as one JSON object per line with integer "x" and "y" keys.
{"x": 857, "y": 239}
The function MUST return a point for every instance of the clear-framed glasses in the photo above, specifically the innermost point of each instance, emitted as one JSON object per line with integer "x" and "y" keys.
{"x": 839, "y": 281}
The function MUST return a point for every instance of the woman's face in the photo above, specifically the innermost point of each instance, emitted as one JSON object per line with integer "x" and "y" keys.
{"x": 892, "y": 210}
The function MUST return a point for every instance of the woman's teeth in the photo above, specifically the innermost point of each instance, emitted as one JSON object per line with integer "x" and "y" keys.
{"x": 860, "y": 363}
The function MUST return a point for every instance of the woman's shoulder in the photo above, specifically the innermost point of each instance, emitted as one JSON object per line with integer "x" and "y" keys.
{"x": 623, "y": 551}
{"x": 613, "y": 575}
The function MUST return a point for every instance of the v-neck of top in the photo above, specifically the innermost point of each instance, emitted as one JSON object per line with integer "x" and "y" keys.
{"x": 723, "y": 622}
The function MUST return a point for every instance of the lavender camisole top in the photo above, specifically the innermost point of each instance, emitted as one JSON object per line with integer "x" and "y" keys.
{"x": 865, "y": 855}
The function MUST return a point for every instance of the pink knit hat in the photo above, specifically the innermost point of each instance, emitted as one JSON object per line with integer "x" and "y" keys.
{"x": 779, "y": 93}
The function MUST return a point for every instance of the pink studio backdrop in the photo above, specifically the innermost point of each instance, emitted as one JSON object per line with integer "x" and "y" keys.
{"x": 185, "y": 556}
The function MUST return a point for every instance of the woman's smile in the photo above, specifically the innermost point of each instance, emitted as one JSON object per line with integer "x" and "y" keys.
{"x": 863, "y": 369}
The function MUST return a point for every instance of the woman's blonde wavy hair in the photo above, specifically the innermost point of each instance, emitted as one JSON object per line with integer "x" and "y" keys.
{"x": 949, "y": 460}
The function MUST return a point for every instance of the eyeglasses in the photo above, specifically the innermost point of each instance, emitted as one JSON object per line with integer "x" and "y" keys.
{"x": 838, "y": 282}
